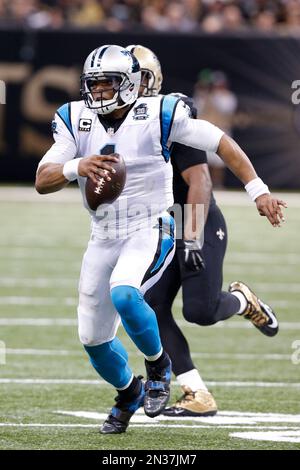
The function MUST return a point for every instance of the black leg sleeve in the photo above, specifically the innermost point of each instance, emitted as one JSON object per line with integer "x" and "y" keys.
{"x": 204, "y": 302}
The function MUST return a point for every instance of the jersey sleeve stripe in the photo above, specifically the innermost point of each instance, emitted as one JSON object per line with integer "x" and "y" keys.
{"x": 64, "y": 112}
{"x": 164, "y": 247}
{"x": 168, "y": 106}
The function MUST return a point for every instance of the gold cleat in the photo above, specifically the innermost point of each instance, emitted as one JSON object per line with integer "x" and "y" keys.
{"x": 260, "y": 314}
{"x": 199, "y": 403}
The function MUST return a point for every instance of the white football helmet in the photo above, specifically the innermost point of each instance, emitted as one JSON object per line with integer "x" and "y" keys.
{"x": 150, "y": 67}
{"x": 117, "y": 65}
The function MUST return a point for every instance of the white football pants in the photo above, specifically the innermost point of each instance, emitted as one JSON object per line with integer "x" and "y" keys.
{"x": 137, "y": 261}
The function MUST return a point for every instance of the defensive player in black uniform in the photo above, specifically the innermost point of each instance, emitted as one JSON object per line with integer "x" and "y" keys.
{"x": 198, "y": 270}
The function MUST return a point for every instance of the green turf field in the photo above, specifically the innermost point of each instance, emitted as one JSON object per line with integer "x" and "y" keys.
{"x": 51, "y": 397}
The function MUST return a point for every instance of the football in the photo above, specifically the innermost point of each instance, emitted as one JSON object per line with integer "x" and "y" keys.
{"x": 106, "y": 192}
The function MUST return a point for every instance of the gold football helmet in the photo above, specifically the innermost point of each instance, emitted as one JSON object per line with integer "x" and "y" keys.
{"x": 150, "y": 67}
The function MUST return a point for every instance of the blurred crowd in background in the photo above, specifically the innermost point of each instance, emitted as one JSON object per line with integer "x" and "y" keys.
{"x": 186, "y": 16}
{"x": 216, "y": 102}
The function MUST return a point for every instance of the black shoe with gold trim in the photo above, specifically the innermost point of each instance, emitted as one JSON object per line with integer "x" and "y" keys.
{"x": 260, "y": 314}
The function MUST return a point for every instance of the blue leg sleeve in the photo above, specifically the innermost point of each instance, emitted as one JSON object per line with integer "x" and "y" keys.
{"x": 138, "y": 318}
{"x": 111, "y": 362}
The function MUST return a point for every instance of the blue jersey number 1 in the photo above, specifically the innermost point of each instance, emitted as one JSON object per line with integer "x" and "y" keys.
{"x": 107, "y": 149}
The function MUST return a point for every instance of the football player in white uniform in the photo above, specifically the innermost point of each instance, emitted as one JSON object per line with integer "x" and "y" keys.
{"x": 132, "y": 239}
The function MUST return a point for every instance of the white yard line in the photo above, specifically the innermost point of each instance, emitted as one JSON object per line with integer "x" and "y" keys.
{"x": 49, "y": 257}
{"x": 249, "y": 424}
{"x": 292, "y": 288}
{"x": 42, "y": 352}
{"x": 103, "y": 383}
{"x": 221, "y": 419}
{"x": 57, "y": 265}
{"x": 20, "y": 246}
{"x": 236, "y": 269}
{"x": 233, "y": 257}
{"x": 199, "y": 355}
{"x": 257, "y": 414}
{"x": 40, "y": 282}
{"x": 239, "y": 325}
{"x": 255, "y": 384}
{"x": 261, "y": 258}
{"x": 26, "y": 300}
{"x": 38, "y": 321}
{"x": 242, "y": 357}
{"x": 53, "y": 382}
{"x": 62, "y": 283}
{"x": 156, "y": 425}
{"x": 276, "y": 303}
{"x": 291, "y": 436}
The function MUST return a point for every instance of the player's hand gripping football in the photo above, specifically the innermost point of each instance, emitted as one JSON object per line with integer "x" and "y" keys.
{"x": 97, "y": 166}
{"x": 270, "y": 207}
{"x": 193, "y": 257}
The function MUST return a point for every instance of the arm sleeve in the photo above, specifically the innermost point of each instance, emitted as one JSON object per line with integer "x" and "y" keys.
{"x": 184, "y": 157}
{"x": 195, "y": 133}
{"x": 64, "y": 147}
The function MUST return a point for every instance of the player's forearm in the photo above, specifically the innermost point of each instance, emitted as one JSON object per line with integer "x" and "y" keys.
{"x": 198, "y": 203}
{"x": 198, "y": 197}
{"x": 236, "y": 160}
{"x": 50, "y": 178}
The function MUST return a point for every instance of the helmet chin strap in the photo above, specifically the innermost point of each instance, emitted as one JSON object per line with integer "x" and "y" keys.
{"x": 102, "y": 108}
{"x": 120, "y": 106}
{"x": 102, "y": 111}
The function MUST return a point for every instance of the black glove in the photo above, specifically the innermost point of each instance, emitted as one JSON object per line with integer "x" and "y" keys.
{"x": 193, "y": 257}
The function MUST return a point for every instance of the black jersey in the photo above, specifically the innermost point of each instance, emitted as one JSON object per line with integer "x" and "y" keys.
{"x": 182, "y": 158}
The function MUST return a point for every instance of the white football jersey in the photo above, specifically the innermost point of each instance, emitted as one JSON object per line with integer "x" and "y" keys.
{"x": 143, "y": 139}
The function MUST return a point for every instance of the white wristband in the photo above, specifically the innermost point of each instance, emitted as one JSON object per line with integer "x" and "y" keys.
{"x": 70, "y": 169}
{"x": 256, "y": 188}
